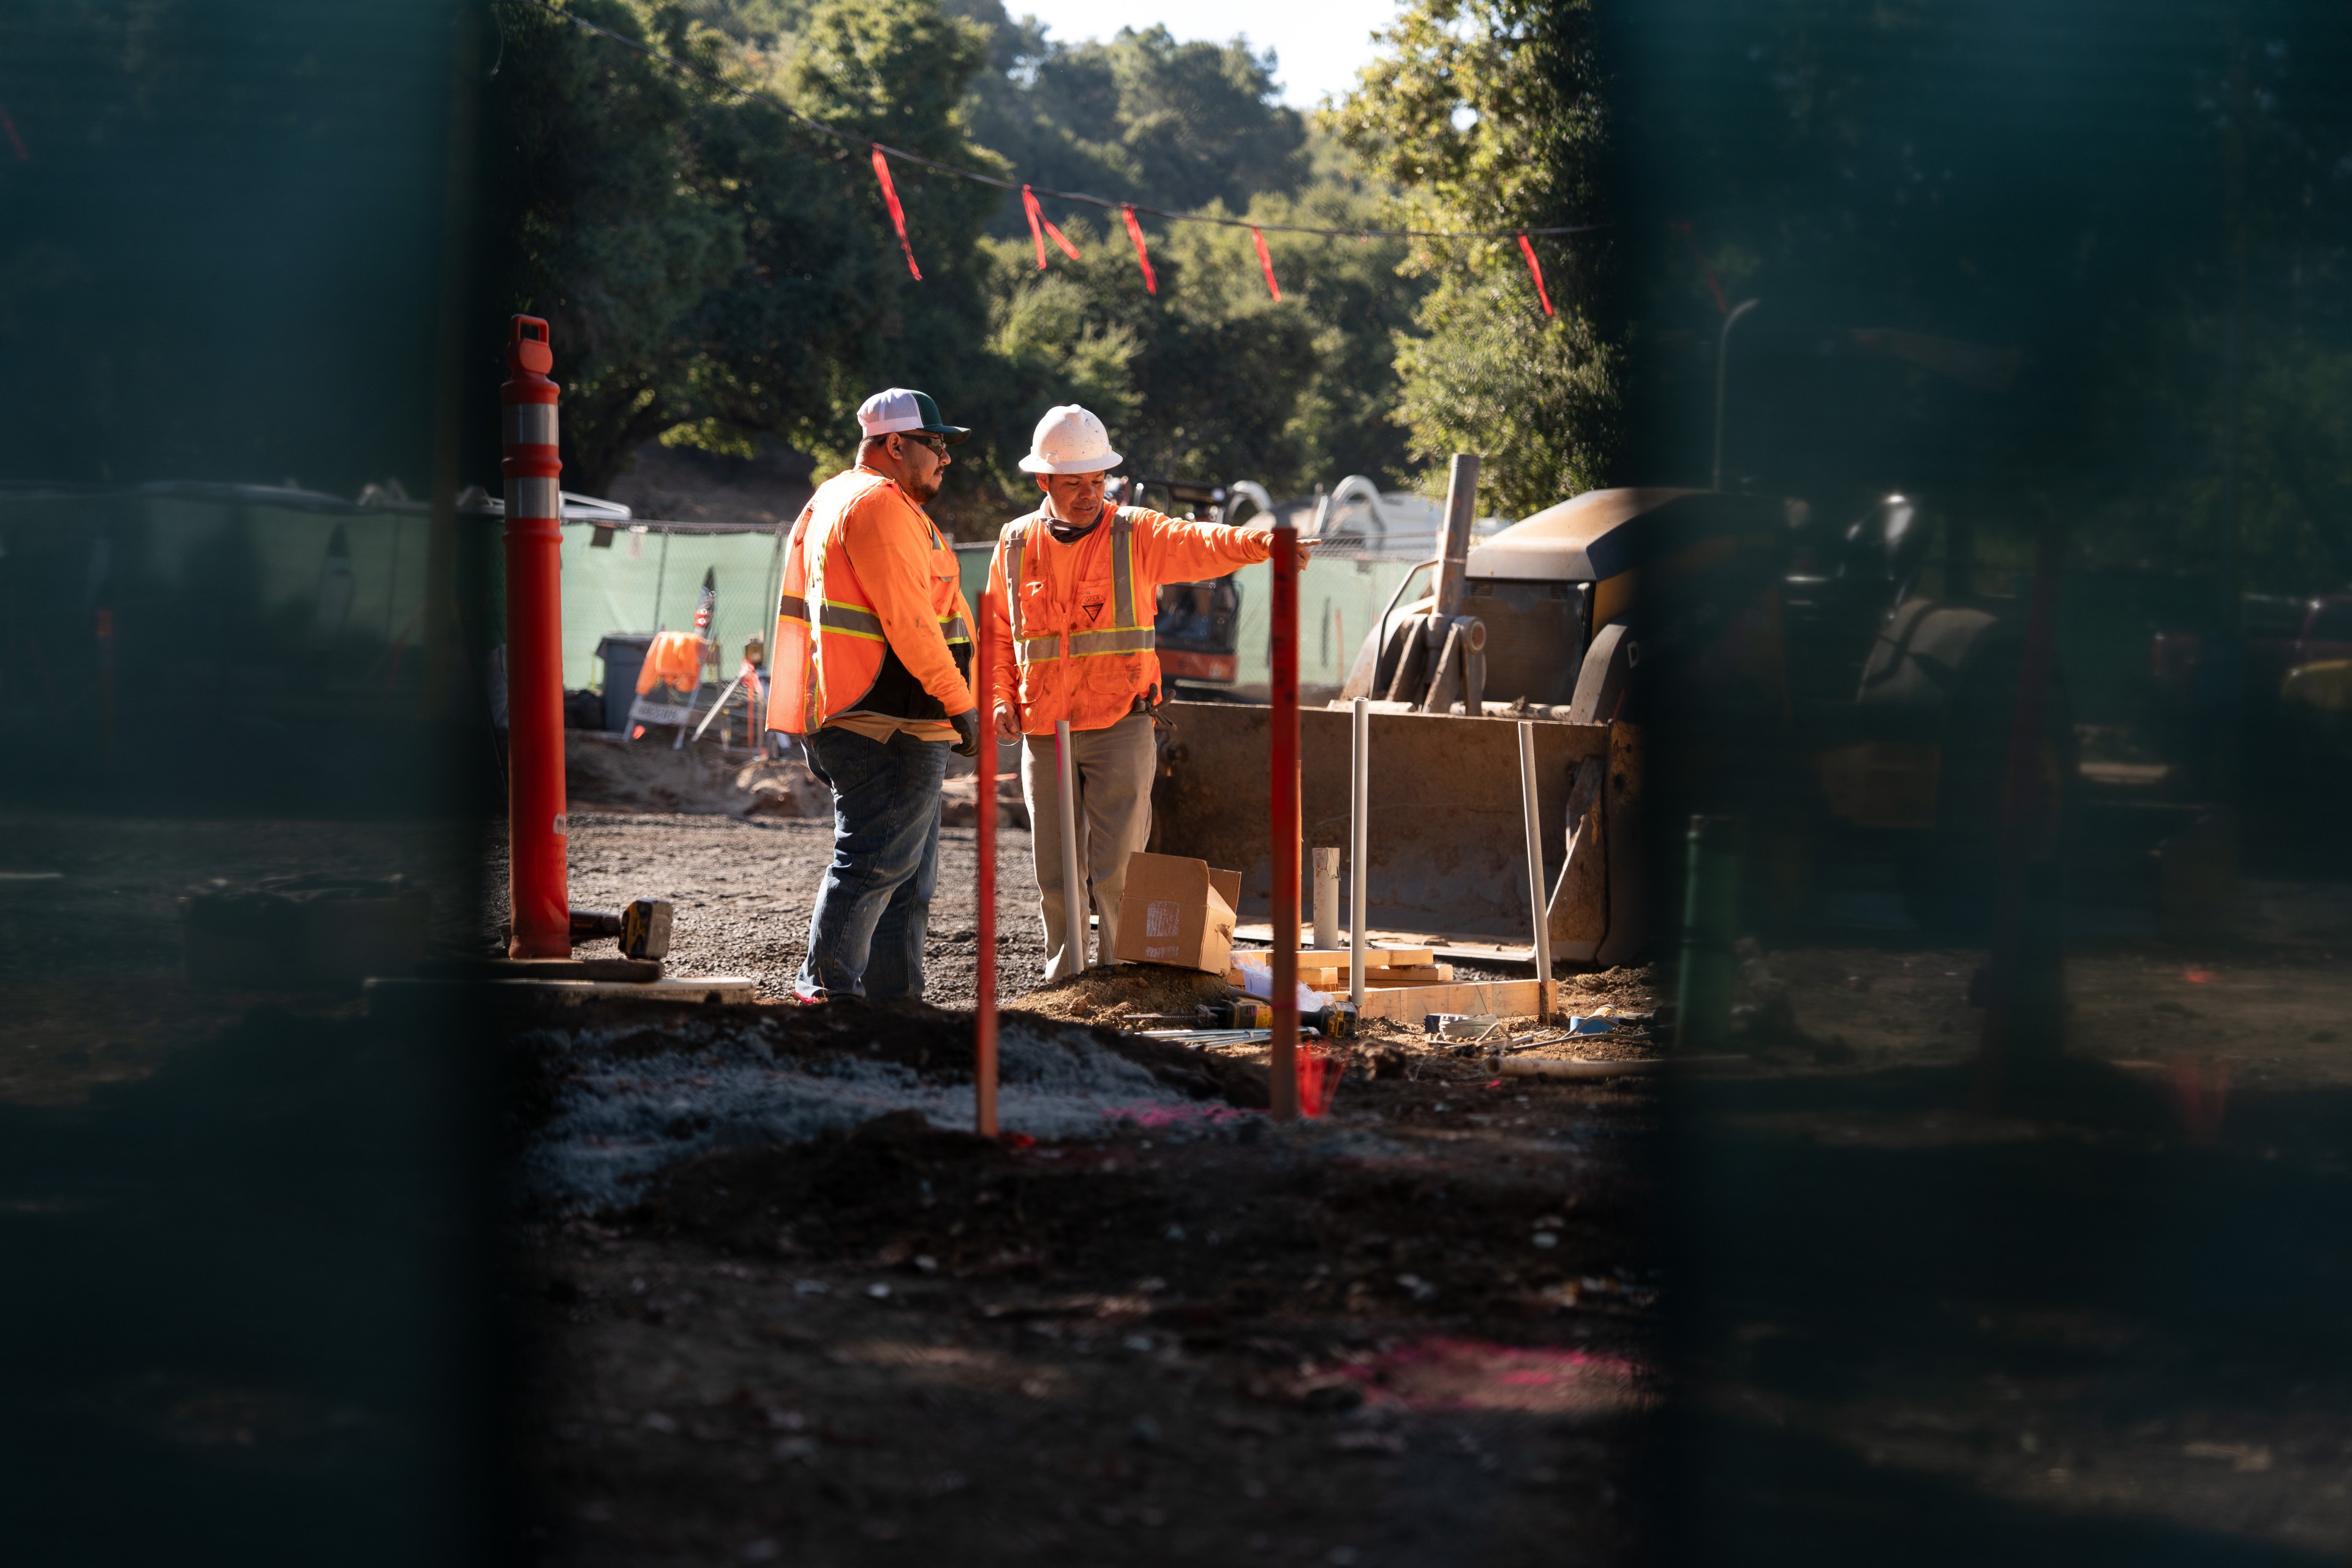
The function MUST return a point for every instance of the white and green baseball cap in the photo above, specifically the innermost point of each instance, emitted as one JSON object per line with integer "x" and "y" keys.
{"x": 899, "y": 408}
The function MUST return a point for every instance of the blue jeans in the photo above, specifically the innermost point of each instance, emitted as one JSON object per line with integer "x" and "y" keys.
{"x": 865, "y": 935}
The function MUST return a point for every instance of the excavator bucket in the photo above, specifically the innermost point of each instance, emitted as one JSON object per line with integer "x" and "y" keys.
{"x": 1446, "y": 858}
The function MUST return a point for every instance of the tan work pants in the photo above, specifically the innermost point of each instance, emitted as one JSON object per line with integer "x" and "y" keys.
{"x": 1114, "y": 769}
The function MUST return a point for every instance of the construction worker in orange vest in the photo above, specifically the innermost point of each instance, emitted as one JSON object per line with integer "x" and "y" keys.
{"x": 1076, "y": 589}
{"x": 873, "y": 655}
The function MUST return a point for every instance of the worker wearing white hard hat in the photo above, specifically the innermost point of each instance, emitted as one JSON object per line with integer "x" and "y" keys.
{"x": 1076, "y": 590}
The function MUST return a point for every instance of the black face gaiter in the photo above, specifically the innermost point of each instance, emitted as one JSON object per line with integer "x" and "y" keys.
{"x": 1071, "y": 533}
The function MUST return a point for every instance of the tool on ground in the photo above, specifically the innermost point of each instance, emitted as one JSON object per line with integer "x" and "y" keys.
{"x": 1337, "y": 1022}
{"x": 1536, "y": 904}
{"x": 1073, "y": 882}
{"x": 1360, "y": 790}
{"x": 537, "y": 887}
{"x": 704, "y": 607}
{"x": 1235, "y": 1013}
{"x": 983, "y": 835}
{"x": 642, "y": 928}
{"x": 1283, "y": 824}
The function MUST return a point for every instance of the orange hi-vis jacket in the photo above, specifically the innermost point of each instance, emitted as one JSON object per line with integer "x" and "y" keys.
{"x": 871, "y": 617}
{"x": 1077, "y": 643}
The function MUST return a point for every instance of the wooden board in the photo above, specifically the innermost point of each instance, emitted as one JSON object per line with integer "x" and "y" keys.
{"x": 1336, "y": 979}
{"x": 1411, "y": 1004}
{"x": 1336, "y": 957}
{"x": 571, "y": 992}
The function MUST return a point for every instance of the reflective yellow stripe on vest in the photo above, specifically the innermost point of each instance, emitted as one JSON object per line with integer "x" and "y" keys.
{"x": 850, "y": 620}
{"x": 1127, "y": 637}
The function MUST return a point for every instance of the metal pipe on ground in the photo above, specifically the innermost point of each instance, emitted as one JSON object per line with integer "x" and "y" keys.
{"x": 984, "y": 837}
{"x": 1074, "y": 882}
{"x": 1360, "y": 775}
{"x": 1327, "y": 898}
{"x": 1282, "y": 1065}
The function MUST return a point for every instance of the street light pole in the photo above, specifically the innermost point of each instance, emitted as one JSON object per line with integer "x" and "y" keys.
{"x": 1722, "y": 350}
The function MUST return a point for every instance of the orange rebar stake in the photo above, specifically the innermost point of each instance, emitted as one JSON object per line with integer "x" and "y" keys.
{"x": 983, "y": 835}
{"x": 1282, "y": 1065}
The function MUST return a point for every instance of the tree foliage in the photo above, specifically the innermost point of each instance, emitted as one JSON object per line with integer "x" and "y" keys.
{"x": 720, "y": 275}
{"x": 1488, "y": 114}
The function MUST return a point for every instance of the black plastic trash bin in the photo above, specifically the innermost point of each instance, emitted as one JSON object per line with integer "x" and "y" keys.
{"x": 623, "y": 654}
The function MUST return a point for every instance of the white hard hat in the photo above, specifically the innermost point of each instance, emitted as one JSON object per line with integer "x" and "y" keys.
{"x": 1069, "y": 440}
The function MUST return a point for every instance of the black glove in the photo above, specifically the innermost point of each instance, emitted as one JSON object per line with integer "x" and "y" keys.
{"x": 968, "y": 728}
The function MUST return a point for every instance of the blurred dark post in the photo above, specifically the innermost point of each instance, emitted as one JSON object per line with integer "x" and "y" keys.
{"x": 1704, "y": 981}
{"x": 106, "y": 689}
{"x": 2024, "y": 991}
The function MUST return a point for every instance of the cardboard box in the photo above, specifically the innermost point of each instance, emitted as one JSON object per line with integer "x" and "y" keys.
{"x": 1178, "y": 910}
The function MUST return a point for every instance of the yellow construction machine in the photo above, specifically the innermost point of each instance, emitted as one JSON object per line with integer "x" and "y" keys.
{"x": 1839, "y": 685}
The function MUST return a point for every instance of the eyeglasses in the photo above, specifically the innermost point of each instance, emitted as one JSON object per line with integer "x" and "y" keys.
{"x": 937, "y": 444}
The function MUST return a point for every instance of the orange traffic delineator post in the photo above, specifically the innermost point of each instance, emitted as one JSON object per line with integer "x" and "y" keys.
{"x": 983, "y": 980}
{"x": 1282, "y": 1067}
{"x": 537, "y": 883}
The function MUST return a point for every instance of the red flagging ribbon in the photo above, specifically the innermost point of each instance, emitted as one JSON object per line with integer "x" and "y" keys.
{"x": 1267, "y": 262}
{"x": 898, "y": 213}
{"x": 1535, "y": 270}
{"x": 1039, "y": 227}
{"x": 1142, "y": 256}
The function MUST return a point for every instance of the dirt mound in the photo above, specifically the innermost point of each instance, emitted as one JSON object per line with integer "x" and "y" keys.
{"x": 608, "y": 770}
{"x": 894, "y": 1185}
{"x": 1112, "y": 993}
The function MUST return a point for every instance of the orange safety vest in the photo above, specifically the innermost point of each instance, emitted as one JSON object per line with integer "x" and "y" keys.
{"x": 846, "y": 662}
{"x": 1093, "y": 676}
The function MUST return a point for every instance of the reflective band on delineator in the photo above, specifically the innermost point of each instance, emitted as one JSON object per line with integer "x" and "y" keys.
{"x": 791, "y": 607}
{"x": 853, "y": 619}
{"x": 530, "y": 425}
{"x": 533, "y": 498}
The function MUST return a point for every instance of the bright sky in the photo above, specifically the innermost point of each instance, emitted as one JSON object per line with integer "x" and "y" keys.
{"x": 1321, "y": 43}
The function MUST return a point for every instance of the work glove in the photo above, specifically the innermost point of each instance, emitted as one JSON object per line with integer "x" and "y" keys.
{"x": 967, "y": 732}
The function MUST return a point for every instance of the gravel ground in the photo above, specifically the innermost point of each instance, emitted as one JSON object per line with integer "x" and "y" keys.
{"x": 743, "y": 890}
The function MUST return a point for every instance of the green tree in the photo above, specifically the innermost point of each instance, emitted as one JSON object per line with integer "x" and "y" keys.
{"x": 605, "y": 224}
{"x": 1139, "y": 117}
{"x": 1489, "y": 114}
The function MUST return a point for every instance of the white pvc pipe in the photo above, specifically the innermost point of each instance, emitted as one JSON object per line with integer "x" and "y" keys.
{"x": 1327, "y": 898}
{"x": 1360, "y": 775}
{"x": 1074, "y": 898}
{"x": 1535, "y": 852}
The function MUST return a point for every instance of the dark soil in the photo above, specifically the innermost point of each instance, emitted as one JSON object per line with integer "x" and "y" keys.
{"x": 1415, "y": 1332}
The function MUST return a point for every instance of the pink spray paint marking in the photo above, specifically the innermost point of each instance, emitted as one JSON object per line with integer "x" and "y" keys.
{"x": 1441, "y": 1373}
